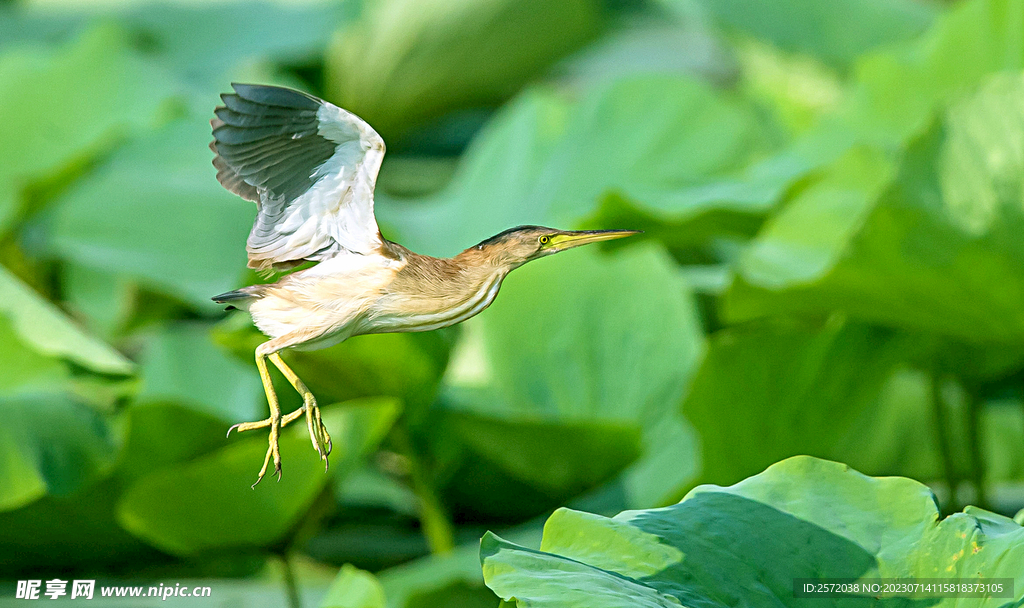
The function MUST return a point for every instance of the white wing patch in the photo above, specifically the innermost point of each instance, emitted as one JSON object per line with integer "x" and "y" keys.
{"x": 314, "y": 167}
{"x": 345, "y": 183}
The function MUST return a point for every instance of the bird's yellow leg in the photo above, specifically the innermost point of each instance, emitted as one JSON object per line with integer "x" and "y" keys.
{"x": 273, "y": 451}
{"x": 317, "y": 430}
{"x": 268, "y": 388}
{"x": 275, "y": 422}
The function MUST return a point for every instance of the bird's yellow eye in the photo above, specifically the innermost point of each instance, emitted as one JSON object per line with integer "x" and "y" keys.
{"x": 544, "y": 239}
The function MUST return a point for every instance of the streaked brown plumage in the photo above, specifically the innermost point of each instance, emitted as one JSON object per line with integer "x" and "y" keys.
{"x": 311, "y": 168}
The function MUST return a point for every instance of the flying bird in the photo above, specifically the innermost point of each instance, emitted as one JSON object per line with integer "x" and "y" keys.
{"x": 311, "y": 168}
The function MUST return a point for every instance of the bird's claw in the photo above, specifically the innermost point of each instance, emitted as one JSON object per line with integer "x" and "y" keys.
{"x": 318, "y": 435}
{"x": 273, "y": 451}
{"x": 242, "y": 427}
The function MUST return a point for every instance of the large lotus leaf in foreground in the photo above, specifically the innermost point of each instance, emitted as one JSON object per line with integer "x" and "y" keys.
{"x": 743, "y": 545}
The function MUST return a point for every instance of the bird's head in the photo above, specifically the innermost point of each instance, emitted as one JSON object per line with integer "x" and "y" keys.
{"x": 519, "y": 245}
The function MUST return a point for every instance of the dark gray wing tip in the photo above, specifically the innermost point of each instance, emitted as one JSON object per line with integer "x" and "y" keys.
{"x": 281, "y": 97}
{"x": 228, "y": 177}
{"x": 267, "y": 139}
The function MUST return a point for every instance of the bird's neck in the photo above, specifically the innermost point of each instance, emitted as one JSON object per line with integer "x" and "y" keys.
{"x": 473, "y": 263}
{"x": 460, "y": 278}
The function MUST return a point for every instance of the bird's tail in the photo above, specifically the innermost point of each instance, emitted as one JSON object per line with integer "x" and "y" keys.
{"x": 239, "y": 298}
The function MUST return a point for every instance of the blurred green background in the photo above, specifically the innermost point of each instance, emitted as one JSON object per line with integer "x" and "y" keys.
{"x": 832, "y": 195}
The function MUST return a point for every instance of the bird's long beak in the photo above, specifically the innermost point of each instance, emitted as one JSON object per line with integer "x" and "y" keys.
{"x": 575, "y": 238}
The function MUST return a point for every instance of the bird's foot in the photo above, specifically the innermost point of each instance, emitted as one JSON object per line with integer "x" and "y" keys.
{"x": 241, "y": 427}
{"x": 318, "y": 434}
{"x": 274, "y": 450}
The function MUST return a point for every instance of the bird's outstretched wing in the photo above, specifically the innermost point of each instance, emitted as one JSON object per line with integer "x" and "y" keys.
{"x": 309, "y": 166}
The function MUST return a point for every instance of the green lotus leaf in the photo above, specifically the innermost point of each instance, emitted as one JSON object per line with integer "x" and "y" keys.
{"x": 52, "y": 445}
{"x": 837, "y": 33}
{"x": 181, "y": 235}
{"x": 562, "y": 353}
{"x": 899, "y": 89}
{"x": 806, "y": 389}
{"x": 207, "y": 503}
{"x": 677, "y": 149}
{"x": 65, "y": 106}
{"x": 931, "y": 244}
{"x": 744, "y": 545}
{"x": 180, "y": 364}
{"x": 405, "y": 61}
{"x": 52, "y": 442}
{"x": 50, "y": 332}
{"x": 355, "y": 588}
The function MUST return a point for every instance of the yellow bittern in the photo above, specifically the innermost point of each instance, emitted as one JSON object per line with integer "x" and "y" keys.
{"x": 311, "y": 167}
